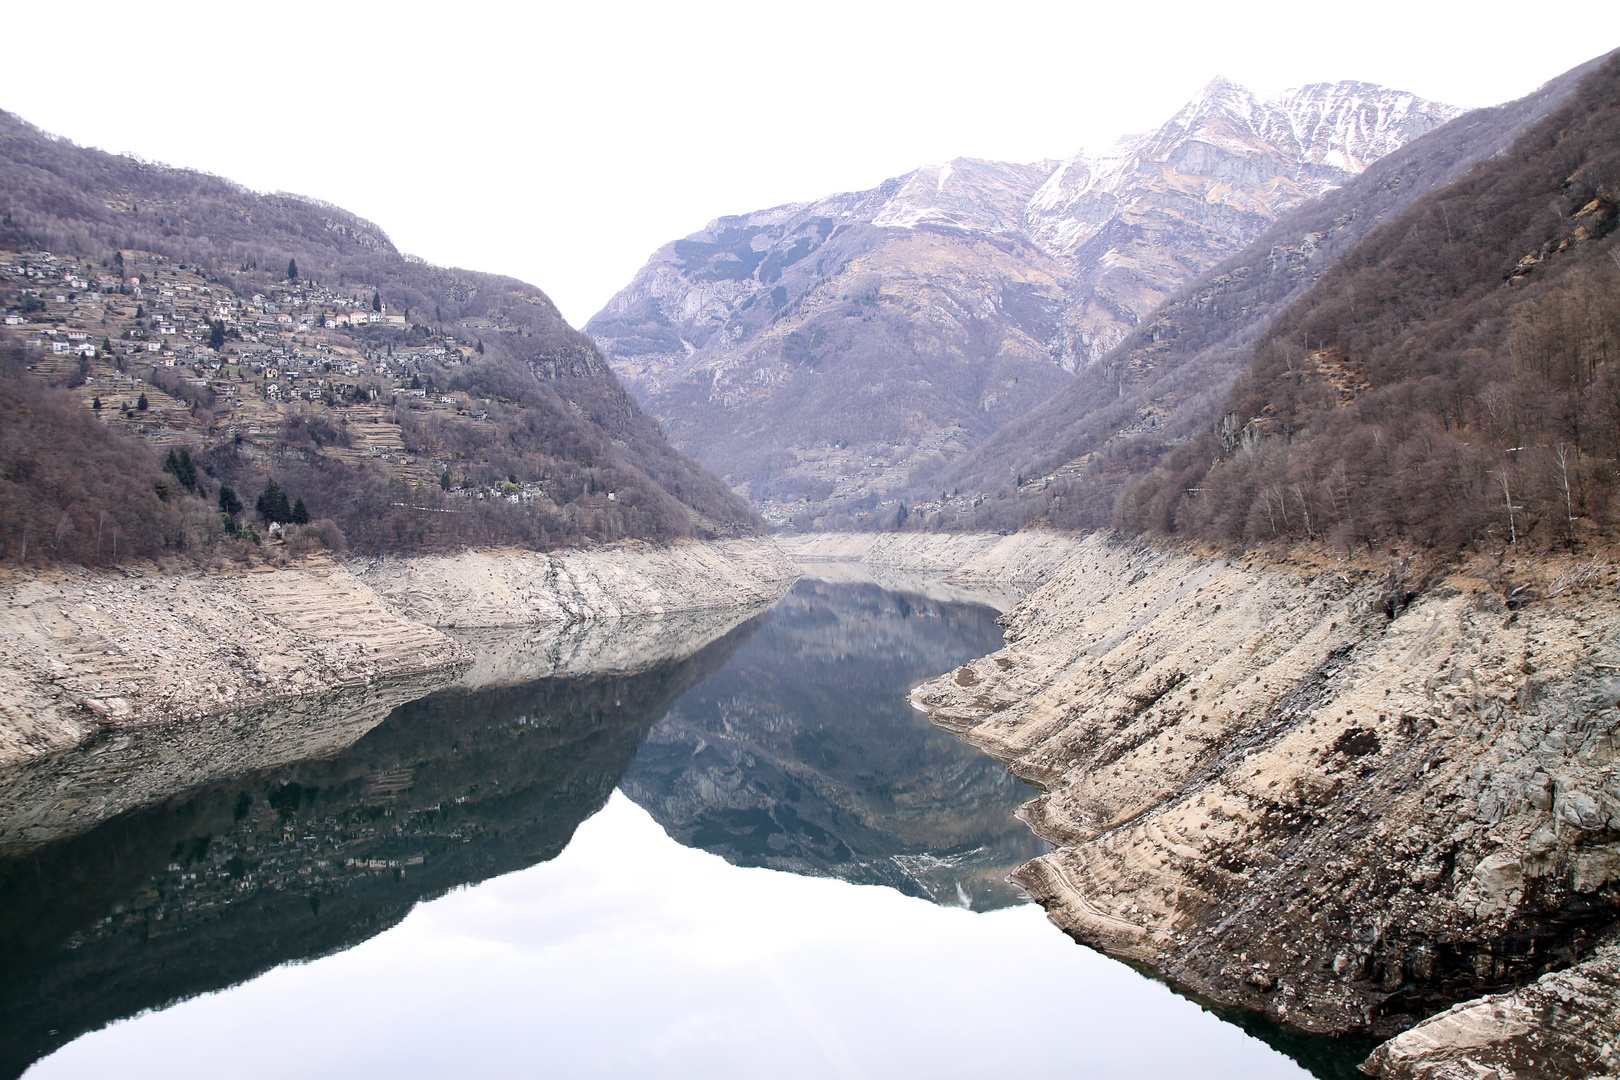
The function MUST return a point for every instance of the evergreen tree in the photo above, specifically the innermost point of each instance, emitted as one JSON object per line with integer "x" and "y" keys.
{"x": 229, "y": 503}
{"x": 300, "y": 512}
{"x": 184, "y": 469}
{"x": 480, "y": 346}
{"x": 141, "y": 403}
{"x": 376, "y": 301}
{"x": 292, "y": 269}
{"x": 216, "y": 334}
{"x": 272, "y": 504}
{"x": 95, "y": 403}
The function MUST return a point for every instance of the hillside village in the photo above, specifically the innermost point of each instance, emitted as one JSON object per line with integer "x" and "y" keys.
{"x": 159, "y": 350}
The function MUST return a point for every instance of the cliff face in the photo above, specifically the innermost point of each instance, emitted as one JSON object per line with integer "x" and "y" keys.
{"x": 90, "y": 650}
{"x": 829, "y": 350}
{"x": 510, "y": 587}
{"x": 1336, "y": 795}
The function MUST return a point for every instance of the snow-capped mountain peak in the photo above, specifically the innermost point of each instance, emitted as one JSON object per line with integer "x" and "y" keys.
{"x": 1227, "y": 139}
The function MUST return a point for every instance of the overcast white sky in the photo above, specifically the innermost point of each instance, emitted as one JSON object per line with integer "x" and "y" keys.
{"x": 564, "y": 142}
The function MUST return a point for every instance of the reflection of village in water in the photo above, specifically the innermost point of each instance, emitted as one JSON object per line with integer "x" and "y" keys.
{"x": 786, "y": 741}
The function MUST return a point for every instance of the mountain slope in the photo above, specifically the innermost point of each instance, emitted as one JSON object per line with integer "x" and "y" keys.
{"x": 1167, "y": 380}
{"x": 1165, "y": 206}
{"x": 1451, "y": 381}
{"x": 230, "y": 309}
{"x": 820, "y": 355}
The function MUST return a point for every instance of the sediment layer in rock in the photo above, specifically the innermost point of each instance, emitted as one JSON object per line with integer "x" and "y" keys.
{"x": 510, "y": 656}
{"x": 87, "y": 650}
{"x": 509, "y": 587}
{"x": 1020, "y": 562}
{"x": 84, "y": 651}
{"x": 1315, "y": 790}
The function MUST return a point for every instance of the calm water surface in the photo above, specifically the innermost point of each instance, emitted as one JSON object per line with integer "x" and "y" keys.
{"x": 755, "y": 861}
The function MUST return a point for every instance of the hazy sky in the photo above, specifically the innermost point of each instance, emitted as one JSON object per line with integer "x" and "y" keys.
{"x": 563, "y": 143}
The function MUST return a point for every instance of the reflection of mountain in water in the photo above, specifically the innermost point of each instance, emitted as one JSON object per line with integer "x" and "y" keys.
{"x": 803, "y": 753}
{"x": 798, "y": 752}
{"x": 213, "y": 886}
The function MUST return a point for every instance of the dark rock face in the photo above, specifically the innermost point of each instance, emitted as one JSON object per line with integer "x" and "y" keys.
{"x": 1563, "y": 1024}
{"x": 825, "y": 353}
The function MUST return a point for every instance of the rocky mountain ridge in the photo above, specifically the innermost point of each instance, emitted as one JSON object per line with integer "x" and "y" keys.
{"x": 833, "y": 349}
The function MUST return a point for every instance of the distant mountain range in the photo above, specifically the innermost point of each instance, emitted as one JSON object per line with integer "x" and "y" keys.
{"x": 826, "y": 356}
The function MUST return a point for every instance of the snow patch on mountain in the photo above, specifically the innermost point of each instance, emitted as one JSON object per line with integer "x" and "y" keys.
{"x": 1310, "y": 139}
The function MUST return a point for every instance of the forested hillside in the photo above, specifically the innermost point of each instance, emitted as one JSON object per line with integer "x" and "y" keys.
{"x": 280, "y": 338}
{"x": 1068, "y": 461}
{"x": 1451, "y": 381}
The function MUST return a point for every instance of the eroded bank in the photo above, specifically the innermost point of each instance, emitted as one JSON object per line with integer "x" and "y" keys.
{"x": 1339, "y": 795}
{"x": 85, "y": 651}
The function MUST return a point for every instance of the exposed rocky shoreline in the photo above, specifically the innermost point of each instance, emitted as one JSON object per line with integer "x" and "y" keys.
{"x": 1331, "y": 793}
{"x": 84, "y": 652}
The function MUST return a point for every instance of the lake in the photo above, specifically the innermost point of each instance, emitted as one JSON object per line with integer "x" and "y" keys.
{"x": 752, "y": 860}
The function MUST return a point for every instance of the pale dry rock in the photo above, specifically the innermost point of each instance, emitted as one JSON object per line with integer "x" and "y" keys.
{"x": 85, "y": 651}
{"x": 1319, "y": 790}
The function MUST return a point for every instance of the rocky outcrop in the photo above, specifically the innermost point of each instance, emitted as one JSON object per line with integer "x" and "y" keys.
{"x": 993, "y": 565}
{"x": 509, "y": 656}
{"x": 1564, "y": 1024}
{"x": 1346, "y": 796}
{"x": 84, "y": 650}
{"x": 88, "y": 651}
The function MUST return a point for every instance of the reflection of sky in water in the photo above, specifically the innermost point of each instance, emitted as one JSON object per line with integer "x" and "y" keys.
{"x": 630, "y": 955}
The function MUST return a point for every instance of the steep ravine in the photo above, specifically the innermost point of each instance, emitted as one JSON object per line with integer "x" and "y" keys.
{"x": 1343, "y": 796}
